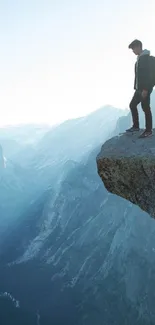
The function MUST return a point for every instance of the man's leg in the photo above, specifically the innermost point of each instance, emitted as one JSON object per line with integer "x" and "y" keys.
{"x": 133, "y": 107}
{"x": 145, "y": 102}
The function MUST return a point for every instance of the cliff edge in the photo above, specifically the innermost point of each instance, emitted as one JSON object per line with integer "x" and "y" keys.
{"x": 126, "y": 165}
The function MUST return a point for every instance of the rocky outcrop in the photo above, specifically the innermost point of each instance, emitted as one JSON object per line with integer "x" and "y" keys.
{"x": 126, "y": 165}
{"x": 2, "y": 159}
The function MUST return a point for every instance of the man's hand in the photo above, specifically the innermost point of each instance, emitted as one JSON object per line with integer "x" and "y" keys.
{"x": 144, "y": 93}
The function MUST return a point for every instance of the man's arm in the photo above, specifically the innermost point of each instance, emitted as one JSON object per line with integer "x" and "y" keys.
{"x": 145, "y": 73}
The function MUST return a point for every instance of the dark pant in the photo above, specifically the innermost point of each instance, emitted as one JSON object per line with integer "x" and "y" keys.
{"x": 145, "y": 103}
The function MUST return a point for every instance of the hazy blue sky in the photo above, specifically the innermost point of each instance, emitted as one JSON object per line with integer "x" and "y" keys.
{"x": 66, "y": 58}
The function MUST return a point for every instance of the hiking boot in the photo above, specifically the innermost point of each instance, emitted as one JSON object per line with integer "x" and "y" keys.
{"x": 146, "y": 134}
{"x": 133, "y": 129}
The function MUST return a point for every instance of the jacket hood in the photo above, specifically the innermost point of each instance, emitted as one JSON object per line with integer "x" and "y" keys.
{"x": 145, "y": 52}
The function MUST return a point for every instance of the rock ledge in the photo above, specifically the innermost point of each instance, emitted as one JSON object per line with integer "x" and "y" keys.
{"x": 126, "y": 165}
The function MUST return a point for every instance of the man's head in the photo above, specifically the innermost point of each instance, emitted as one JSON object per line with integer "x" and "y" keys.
{"x": 136, "y": 47}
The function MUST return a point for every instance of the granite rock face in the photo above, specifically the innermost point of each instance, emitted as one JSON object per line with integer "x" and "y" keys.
{"x": 126, "y": 165}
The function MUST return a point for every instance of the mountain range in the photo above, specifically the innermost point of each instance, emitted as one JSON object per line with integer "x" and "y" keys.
{"x": 70, "y": 252}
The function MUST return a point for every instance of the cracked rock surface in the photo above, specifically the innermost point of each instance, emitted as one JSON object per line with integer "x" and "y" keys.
{"x": 126, "y": 165}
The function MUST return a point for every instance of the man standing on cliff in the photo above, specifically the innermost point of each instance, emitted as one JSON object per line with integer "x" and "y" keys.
{"x": 143, "y": 89}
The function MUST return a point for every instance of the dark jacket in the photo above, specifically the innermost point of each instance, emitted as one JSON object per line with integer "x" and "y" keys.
{"x": 142, "y": 75}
